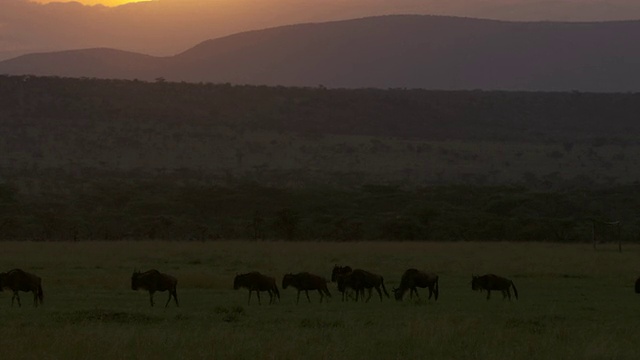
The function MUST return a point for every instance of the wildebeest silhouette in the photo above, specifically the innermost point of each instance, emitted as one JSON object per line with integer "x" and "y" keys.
{"x": 305, "y": 281}
{"x": 19, "y": 280}
{"x": 359, "y": 280}
{"x": 413, "y": 279}
{"x": 152, "y": 281}
{"x": 343, "y": 283}
{"x": 339, "y": 270}
{"x": 638, "y": 286}
{"x": 254, "y": 281}
{"x": 494, "y": 282}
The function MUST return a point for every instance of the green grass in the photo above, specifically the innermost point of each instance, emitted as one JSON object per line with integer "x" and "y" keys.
{"x": 574, "y": 303}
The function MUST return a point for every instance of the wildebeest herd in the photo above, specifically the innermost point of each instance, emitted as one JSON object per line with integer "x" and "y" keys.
{"x": 351, "y": 283}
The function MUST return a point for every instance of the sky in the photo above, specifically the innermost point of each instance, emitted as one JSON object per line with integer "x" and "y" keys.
{"x": 167, "y": 27}
{"x": 110, "y": 3}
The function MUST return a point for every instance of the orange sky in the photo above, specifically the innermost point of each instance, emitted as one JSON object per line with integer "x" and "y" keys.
{"x": 93, "y": 2}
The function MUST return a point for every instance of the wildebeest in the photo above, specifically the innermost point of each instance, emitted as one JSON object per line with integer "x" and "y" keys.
{"x": 153, "y": 281}
{"x": 254, "y": 281}
{"x": 413, "y": 279}
{"x": 305, "y": 281}
{"x": 493, "y": 282}
{"x": 19, "y": 280}
{"x": 638, "y": 286}
{"x": 359, "y": 280}
{"x": 339, "y": 270}
{"x": 337, "y": 275}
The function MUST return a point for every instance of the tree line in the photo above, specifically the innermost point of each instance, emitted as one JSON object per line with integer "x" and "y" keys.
{"x": 157, "y": 210}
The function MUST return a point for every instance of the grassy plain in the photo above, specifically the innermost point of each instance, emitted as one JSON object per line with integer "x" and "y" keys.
{"x": 575, "y": 303}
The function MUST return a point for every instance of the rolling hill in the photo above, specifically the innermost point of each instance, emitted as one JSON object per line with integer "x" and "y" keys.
{"x": 408, "y": 51}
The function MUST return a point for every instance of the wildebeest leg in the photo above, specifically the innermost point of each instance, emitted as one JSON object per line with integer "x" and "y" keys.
{"x": 307, "y": 293}
{"x": 249, "y": 302}
{"x": 488, "y": 294}
{"x": 371, "y": 293}
{"x": 271, "y": 298}
{"x": 258, "y": 292}
{"x": 379, "y": 292}
{"x": 416, "y": 291}
{"x": 151, "y": 297}
{"x": 16, "y": 296}
{"x": 175, "y": 297}
{"x": 326, "y": 292}
{"x": 169, "y": 299}
{"x": 321, "y": 294}
{"x": 35, "y": 298}
{"x": 298, "y": 297}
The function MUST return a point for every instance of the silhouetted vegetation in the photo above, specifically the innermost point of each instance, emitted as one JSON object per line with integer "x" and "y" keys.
{"x": 424, "y": 114}
{"x": 114, "y": 210}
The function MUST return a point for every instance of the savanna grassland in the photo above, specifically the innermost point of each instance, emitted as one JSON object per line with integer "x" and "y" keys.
{"x": 101, "y": 177}
{"x": 574, "y": 302}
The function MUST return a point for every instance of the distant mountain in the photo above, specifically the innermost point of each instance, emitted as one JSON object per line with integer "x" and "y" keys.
{"x": 390, "y": 51}
{"x": 98, "y": 63}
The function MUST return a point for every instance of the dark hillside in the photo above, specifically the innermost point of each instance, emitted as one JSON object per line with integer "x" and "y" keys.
{"x": 113, "y": 159}
{"x": 416, "y": 114}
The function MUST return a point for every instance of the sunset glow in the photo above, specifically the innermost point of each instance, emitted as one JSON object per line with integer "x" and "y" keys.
{"x": 94, "y": 2}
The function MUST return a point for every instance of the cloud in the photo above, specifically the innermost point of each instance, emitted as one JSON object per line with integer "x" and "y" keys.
{"x": 166, "y": 27}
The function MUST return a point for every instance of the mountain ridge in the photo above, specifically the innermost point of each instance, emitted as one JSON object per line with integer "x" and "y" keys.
{"x": 393, "y": 51}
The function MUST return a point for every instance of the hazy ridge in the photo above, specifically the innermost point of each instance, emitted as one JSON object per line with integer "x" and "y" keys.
{"x": 384, "y": 52}
{"x": 166, "y": 27}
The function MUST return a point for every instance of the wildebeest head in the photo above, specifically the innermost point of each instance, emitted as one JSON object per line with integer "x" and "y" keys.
{"x": 475, "y": 283}
{"x": 339, "y": 270}
{"x": 134, "y": 280}
{"x": 398, "y": 293}
{"x": 287, "y": 280}
{"x": 237, "y": 282}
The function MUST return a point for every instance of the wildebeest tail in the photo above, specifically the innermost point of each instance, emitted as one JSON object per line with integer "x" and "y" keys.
{"x": 515, "y": 291}
{"x": 436, "y": 289}
{"x": 40, "y": 294}
{"x": 383, "y": 288}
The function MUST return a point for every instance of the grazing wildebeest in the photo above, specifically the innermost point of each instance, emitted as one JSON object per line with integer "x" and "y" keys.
{"x": 638, "y": 286}
{"x": 339, "y": 270}
{"x": 493, "y": 282}
{"x": 153, "y": 281}
{"x": 254, "y": 281}
{"x": 18, "y": 280}
{"x": 413, "y": 279}
{"x": 305, "y": 281}
{"x": 359, "y": 280}
{"x": 336, "y": 276}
